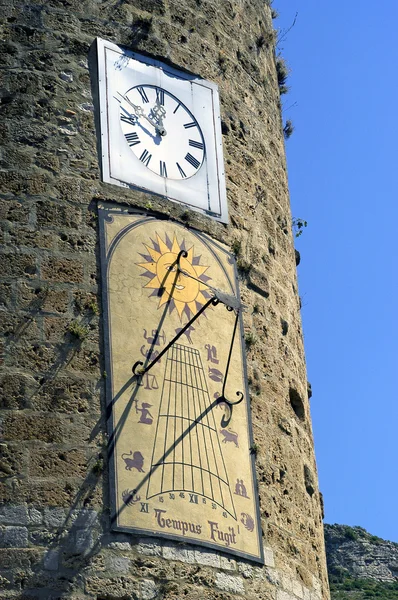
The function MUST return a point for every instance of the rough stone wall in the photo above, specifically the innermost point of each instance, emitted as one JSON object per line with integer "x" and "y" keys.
{"x": 54, "y": 523}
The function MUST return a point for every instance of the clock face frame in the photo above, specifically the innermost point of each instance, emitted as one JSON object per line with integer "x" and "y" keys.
{"x": 160, "y": 130}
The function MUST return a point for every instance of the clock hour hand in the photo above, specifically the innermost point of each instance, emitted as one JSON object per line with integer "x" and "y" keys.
{"x": 139, "y": 111}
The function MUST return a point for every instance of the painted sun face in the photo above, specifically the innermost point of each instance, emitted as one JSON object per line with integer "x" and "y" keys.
{"x": 180, "y": 286}
{"x": 185, "y": 290}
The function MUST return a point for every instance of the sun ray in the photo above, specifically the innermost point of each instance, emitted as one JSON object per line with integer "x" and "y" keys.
{"x": 149, "y": 266}
{"x": 162, "y": 246}
{"x": 175, "y": 247}
{"x": 155, "y": 255}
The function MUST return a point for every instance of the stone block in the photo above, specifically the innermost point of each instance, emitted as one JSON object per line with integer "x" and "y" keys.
{"x": 13, "y": 390}
{"x": 67, "y": 395}
{"x": 43, "y": 298}
{"x": 113, "y": 587}
{"x": 84, "y": 541}
{"x": 228, "y": 564}
{"x": 20, "y": 427}
{"x": 282, "y": 595}
{"x": 13, "y": 460}
{"x": 149, "y": 547}
{"x": 207, "y": 558}
{"x": 13, "y": 537}
{"x": 6, "y": 295}
{"x": 297, "y": 589}
{"x": 13, "y": 210}
{"x": 13, "y": 515}
{"x": 35, "y": 517}
{"x": 171, "y": 552}
{"x": 54, "y": 517}
{"x": 51, "y": 560}
{"x": 149, "y": 589}
{"x": 230, "y": 583}
{"x": 268, "y": 557}
{"x": 23, "y": 237}
{"x": 56, "y": 215}
{"x": 63, "y": 270}
{"x": 21, "y": 558}
{"x": 84, "y": 518}
{"x": 18, "y": 265}
{"x": 117, "y": 564}
{"x": 50, "y": 463}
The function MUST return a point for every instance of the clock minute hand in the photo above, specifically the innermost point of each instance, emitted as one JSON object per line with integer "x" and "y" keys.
{"x": 139, "y": 111}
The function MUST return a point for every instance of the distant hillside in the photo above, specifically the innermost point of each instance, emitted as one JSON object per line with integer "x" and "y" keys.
{"x": 360, "y": 565}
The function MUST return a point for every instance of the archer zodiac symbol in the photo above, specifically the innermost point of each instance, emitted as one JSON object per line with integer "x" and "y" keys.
{"x": 229, "y": 436}
{"x": 146, "y": 416}
{"x": 137, "y": 462}
{"x": 130, "y": 497}
{"x": 212, "y": 354}
{"x": 247, "y": 521}
{"x": 155, "y": 338}
{"x": 240, "y": 489}
{"x": 149, "y": 354}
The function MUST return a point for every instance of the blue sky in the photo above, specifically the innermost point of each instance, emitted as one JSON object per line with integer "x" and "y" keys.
{"x": 342, "y": 163}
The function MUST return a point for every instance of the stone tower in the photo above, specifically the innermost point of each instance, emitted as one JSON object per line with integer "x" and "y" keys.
{"x": 55, "y": 532}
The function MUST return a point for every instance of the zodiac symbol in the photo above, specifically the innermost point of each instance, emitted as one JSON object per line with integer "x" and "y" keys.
{"x": 215, "y": 375}
{"x": 247, "y": 521}
{"x": 212, "y": 354}
{"x": 151, "y": 383}
{"x": 156, "y": 337}
{"x": 149, "y": 354}
{"x": 137, "y": 462}
{"x": 187, "y": 332}
{"x": 229, "y": 436}
{"x": 146, "y": 416}
{"x": 130, "y": 497}
{"x": 240, "y": 489}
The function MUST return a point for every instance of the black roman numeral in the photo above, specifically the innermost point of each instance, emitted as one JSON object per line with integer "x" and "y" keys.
{"x": 189, "y": 125}
{"x": 181, "y": 171}
{"x": 160, "y": 96}
{"x": 143, "y": 95}
{"x": 130, "y": 119}
{"x": 145, "y": 157}
{"x": 192, "y": 160}
{"x": 196, "y": 144}
{"x": 162, "y": 168}
{"x": 132, "y": 138}
{"x": 176, "y": 108}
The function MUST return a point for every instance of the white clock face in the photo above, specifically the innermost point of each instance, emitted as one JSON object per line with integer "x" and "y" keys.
{"x": 161, "y": 132}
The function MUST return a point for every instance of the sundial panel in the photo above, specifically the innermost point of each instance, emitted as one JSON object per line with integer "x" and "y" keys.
{"x": 181, "y": 465}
